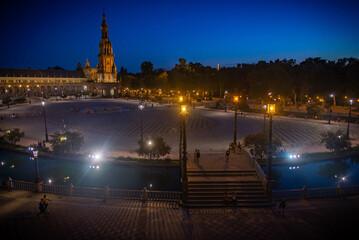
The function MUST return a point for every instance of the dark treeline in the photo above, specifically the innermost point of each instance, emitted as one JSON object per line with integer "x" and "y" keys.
{"x": 312, "y": 77}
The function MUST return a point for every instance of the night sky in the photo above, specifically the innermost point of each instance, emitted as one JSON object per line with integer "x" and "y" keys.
{"x": 42, "y": 34}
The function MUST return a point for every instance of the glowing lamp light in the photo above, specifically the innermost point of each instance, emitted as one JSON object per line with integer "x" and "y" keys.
{"x": 271, "y": 108}
{"x": 35, "y": 153}
{"x": 141, "y": 106}
{"x": 180, "y": 99}
{"x": 235, "y": 99}
{"x": 183, "y": 109}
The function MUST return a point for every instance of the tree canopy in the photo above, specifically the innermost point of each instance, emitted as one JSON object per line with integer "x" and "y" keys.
{"x": 286, "y": 78}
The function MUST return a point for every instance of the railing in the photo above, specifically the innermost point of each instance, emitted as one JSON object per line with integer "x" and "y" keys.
{"x": 55, "y": 189}
{"x": 252, "y": 161}
{"x": 169, "y": 196}
{"x": 87, "y": 192}
{"x": 316, "y": 193}
{"x": 126, "y": 194}
{"x": 24, "y": 185}
{"x": 164, "y": 196}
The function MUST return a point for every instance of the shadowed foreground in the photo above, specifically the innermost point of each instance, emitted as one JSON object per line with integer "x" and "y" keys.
{"x": 89, "y": 218}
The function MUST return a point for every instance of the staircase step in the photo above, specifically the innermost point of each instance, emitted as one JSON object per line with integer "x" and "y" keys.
{"x": 221, "y": 194}
{"x": 205, "y": 198}
{"x": 225, "y": 182}
{"x": 230, "y": 205}
{"x": 222, "y": 173}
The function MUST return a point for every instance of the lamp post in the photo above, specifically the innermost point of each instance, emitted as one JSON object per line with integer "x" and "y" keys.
{"x": 37, "y": 177}
{"x": 235, "y": 100}
{"x": 264, "y": 116}
{"x": 141, "y": 106}
{"x": 350, "y": 114}
{"x": 180, "y": 100}
{"x": 46, "y": 135}
{"x": 184, "y": 157}
{"x": 271, "y": 111}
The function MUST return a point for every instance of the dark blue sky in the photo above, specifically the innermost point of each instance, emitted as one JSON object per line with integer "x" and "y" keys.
{"x": 39, "y": 34}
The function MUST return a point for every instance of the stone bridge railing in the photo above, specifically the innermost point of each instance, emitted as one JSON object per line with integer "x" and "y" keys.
{"x": 107, "y": 193}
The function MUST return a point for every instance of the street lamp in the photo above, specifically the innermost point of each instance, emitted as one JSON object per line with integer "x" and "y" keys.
{"x": 46, "y": 135}
{"x": 180, "y": 100}
{"x": 330, "y": 107}
{"x": 235, "y": 100}
{"x": 350, "y": 114}
{"x": 183, "y": 113}
{"x": 271, "y": 111}
{"x": 35, "y": 153}
{"x": 264, "y": 115}
{"x": 141, "y": 106}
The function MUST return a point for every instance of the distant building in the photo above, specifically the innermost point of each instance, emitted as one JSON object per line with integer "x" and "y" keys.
{"x": 101, "y": 80}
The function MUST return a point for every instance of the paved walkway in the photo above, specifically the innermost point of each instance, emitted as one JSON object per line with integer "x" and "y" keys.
{"x": 88, "y": 218}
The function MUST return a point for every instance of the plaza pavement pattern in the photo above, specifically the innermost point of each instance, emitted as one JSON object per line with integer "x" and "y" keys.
{"x": 118, "y": 131}
{"x": 90, "y": 218}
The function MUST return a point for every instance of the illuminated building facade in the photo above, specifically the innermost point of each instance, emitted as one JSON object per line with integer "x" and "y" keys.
{"x": 101, "y": 80}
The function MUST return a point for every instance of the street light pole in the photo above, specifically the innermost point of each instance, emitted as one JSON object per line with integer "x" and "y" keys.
{"x": 235, "y": 100}
{"x": 180, "y": 100}
{"x": 350, "y": 114}
{"x": 141, "y": 106}
{"x": 37, "y": 177}
{"x": 264, "y": 116}
{"x": 46, "y": 135}
{"x": 184, "y": 157}
{"x": 271, "y": 111}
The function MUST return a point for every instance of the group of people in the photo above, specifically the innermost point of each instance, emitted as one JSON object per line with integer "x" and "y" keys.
{"x": 230, "y": 198}
{"x": 43, "y": 204}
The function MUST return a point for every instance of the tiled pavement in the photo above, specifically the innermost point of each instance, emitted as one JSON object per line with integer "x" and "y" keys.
{"x": 89, "y": 218}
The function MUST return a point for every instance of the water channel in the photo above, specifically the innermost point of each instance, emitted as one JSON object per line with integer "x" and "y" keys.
{"x": 313, "y": 175}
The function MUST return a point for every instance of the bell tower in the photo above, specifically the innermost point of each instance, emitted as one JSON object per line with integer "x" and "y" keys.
{"x": 106, "y": 68}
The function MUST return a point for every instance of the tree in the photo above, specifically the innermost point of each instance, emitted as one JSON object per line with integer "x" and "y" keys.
{"x": 13, "y": 136}
{"x": 6, "y": 101}
{"x": 335, "y": 140}
{"x": 313, "y": 111}
{"x": 68, "y": 142}
{"x": 153, "y": 148}
{"x": 258, "y": 144}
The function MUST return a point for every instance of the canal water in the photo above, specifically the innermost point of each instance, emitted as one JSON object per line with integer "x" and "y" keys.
{"x": 313, "y": 175}
{"x": 82, "y": 174}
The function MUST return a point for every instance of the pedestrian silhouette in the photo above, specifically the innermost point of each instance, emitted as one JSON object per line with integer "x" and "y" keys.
{"x": 282, "y": 205}
{"x": 195, "y": 156}
{"x": 227, "y": 155}
{"x": 46, "y": 203}
{"x": 41, "y": 208}
{"x": 198, "y": 155}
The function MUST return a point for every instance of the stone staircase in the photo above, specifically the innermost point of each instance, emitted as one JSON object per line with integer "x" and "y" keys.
{"x": 207, "y": 188}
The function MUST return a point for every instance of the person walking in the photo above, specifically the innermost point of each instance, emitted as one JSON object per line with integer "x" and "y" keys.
{"x": 282, "y": 205}
{"x": 195, "y": 156}
{"x": 46, "y": 203}
{"x": 198, "y": 155}
{"x": 41, "y": 208}
{"x": 227, "y": 155}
